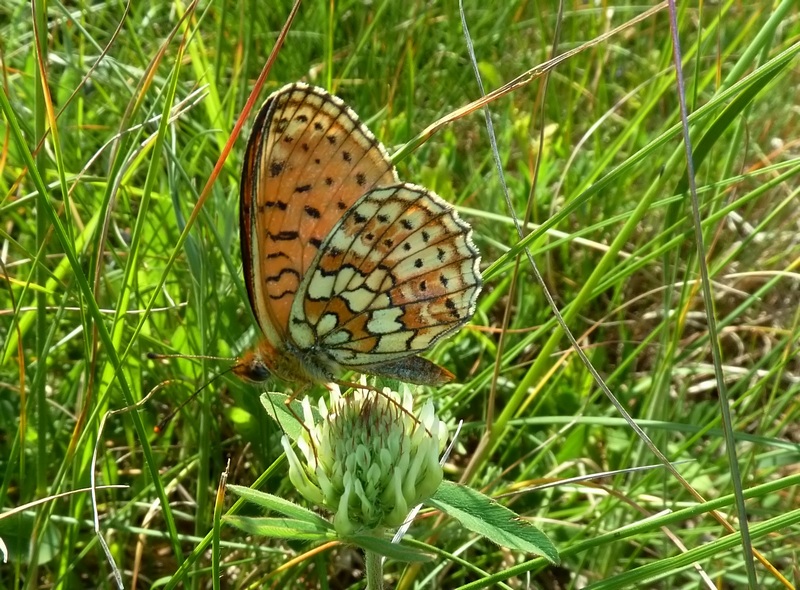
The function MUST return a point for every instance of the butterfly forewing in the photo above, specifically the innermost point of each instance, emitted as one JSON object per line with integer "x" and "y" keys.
{"x": 309, "y": 159}
{"x": 398, "y": 272}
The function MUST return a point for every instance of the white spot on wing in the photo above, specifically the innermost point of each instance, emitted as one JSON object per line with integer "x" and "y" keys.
{"x": 303, "y": 335}
{"x": 327, "y": 323}
{"x": 343, "y": 278}
{"x": 320, "y": 286}
{"x": 336, "y": 338}
{"x": 356, "y": 282}
{"x": 360, "y": 249}
{"x": 375, "y": 280}
{"x": 366, "y": 208}
{"x": 399, "y": 341}
{"x": 423, "y": 338}
{"x": 386, "y": 321}
{"x": 381, "y": 301}
{"x": 358, "y": 300}
{"x": 340, "y": 240}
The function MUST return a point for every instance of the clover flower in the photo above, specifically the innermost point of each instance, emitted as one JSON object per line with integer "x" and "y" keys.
{"x": 369, "y": 459}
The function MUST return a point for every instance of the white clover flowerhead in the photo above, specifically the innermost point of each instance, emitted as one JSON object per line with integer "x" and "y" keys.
{"x": 369, "y": 459}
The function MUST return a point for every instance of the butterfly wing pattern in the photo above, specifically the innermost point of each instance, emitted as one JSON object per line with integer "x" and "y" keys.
{"x": 346, "y": 267}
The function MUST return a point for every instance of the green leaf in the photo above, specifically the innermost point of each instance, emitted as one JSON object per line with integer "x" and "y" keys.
{"x": 288, "y": 416}
{"x": 481, "y": 514}
{"x": 279, "y": 528}
{"x": 17, "y": 530}
{"x": 276, "y": 504}
{"x": 727, "y": 118}
{"x": 396, "y": 551}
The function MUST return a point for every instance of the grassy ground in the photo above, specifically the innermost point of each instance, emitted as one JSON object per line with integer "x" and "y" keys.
{"x": 594, "y": 161}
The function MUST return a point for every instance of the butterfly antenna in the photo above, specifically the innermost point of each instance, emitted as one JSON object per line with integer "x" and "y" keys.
{"x": 159, "y": 428}
{"x": 155, "y": 356}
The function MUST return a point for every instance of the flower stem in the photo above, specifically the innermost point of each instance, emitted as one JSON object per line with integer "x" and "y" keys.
{"x": 374, "y": 570}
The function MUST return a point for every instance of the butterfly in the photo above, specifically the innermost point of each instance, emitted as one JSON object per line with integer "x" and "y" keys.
{"x": 346, "y": 267}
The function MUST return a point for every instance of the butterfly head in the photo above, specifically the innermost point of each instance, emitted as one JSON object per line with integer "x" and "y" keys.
{"x": 252, "y": 367}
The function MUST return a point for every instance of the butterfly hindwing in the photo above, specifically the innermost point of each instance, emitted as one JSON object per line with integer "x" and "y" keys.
{"x": 398, "y": 272}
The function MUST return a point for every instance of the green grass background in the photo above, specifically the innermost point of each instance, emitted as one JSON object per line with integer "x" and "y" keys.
{"x": 594, "y": 161}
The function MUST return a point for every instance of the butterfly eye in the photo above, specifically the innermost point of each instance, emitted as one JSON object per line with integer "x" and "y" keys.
{"x": 252, "y": 368}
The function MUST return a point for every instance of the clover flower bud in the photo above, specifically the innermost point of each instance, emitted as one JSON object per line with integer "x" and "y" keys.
{"x": 369, "y": 459}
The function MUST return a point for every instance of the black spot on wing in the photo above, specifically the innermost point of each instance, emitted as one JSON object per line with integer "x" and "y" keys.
{"x": 449, "y": 304}
{"x": 278, "y": 204}
{"x": 336, "y": 271}
{"x": 283, "y": 294}
{"x": 283, "y": 271}
{"x": 283, "y": 236}
{"x": 275, "y": 168}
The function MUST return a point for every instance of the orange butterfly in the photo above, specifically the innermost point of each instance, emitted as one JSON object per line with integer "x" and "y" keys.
{"x": 347, "y": 268}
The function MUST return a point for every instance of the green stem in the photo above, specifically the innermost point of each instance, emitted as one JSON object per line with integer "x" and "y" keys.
{"x": 42, "y": 424}
{"x": 374, "y": 570}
